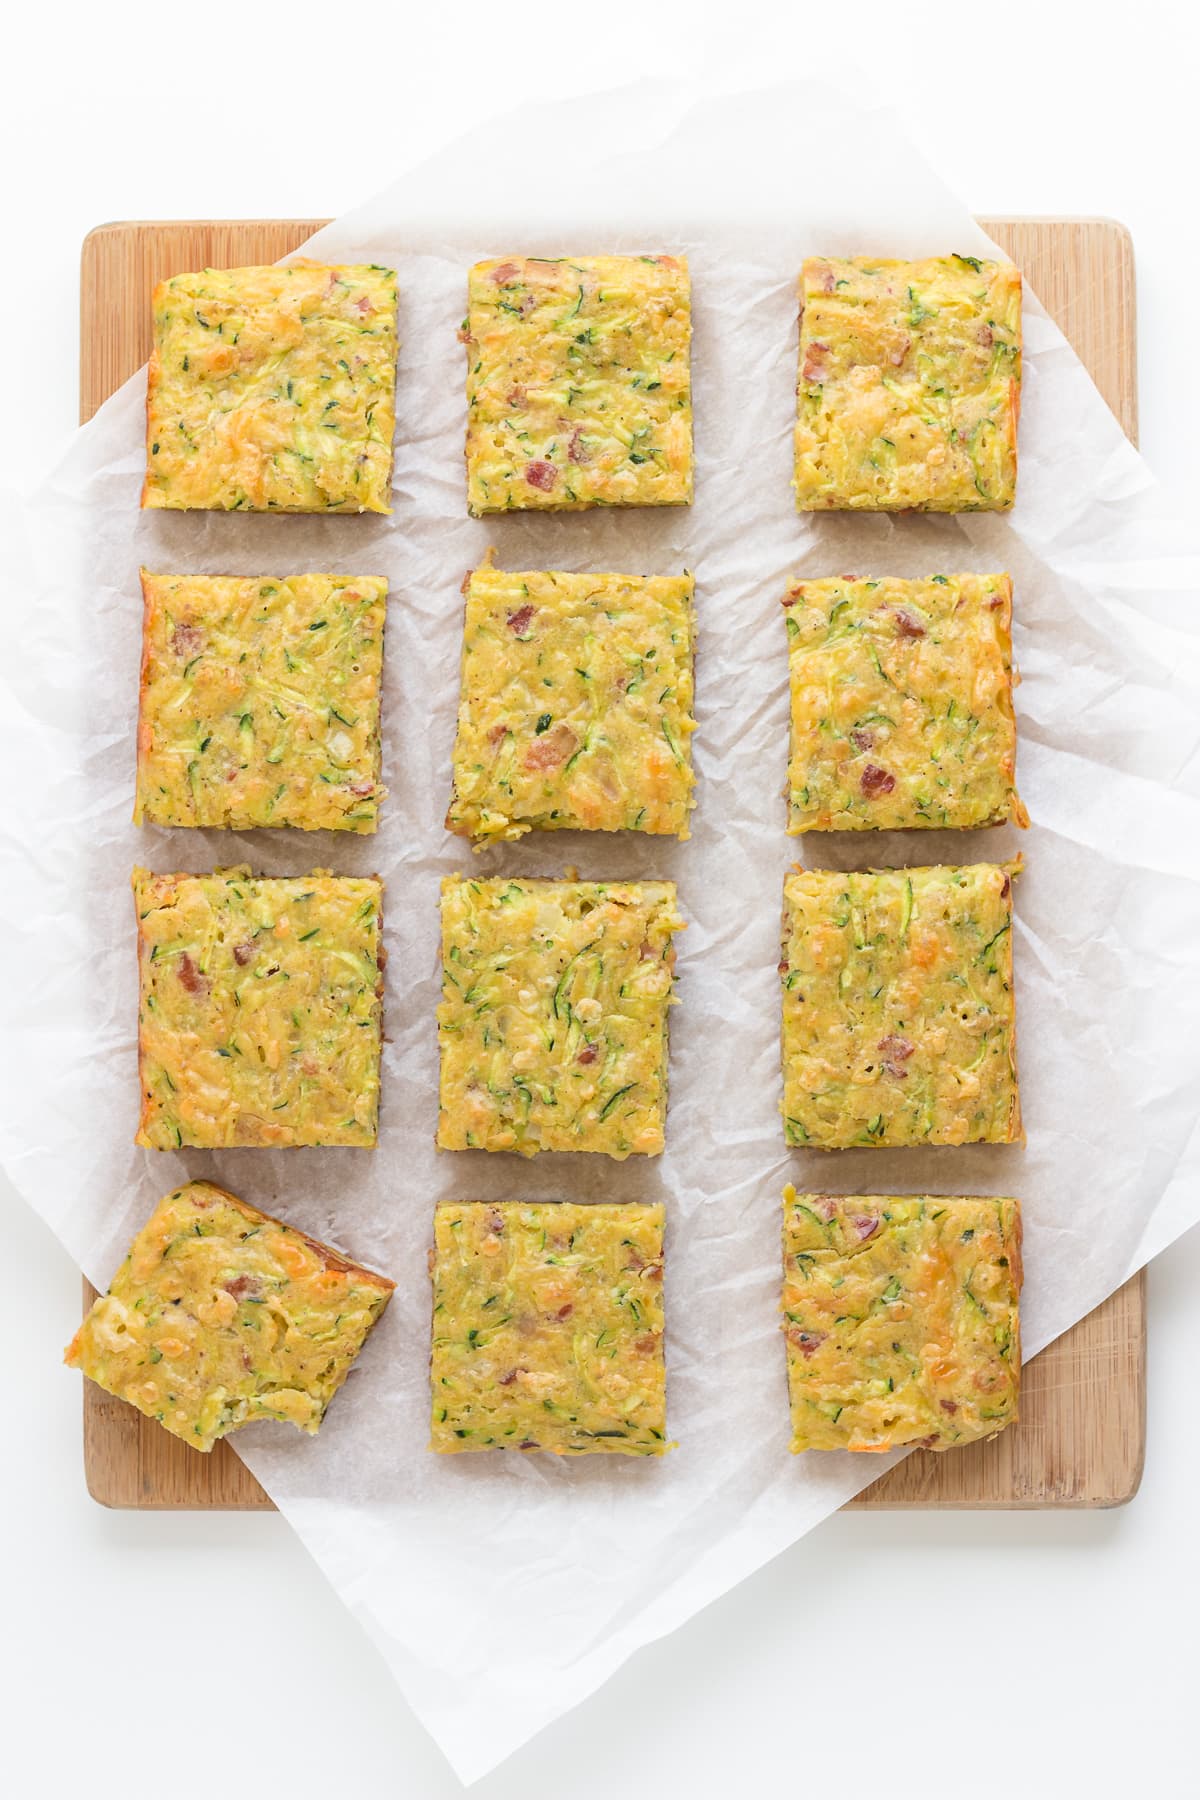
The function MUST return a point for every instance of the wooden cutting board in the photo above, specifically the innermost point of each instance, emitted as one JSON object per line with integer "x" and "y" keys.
{"x": 1081, "y": 1438}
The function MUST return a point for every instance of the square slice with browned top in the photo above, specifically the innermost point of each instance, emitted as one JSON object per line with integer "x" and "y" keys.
{"x": 576, "y": 707}
{"x": 553, "y": 1020}
{"x": 260, "y": 701}
{"x": 261, "y": 1008}
{"x": 221, "y": 1316}
{"x": 910, "y": 384}
{"x": 578, "y": 383}
{"x": 548, "y": 1328}
{"x": 898, "y": 1015}
{"x": 901, "y": 1319}
{"x": 902, "y": 704}
{"x": 273, "y": 390}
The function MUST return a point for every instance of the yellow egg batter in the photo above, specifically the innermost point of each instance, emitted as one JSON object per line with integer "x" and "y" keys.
{"x": 902, "y": 711}
{"x": 900, "y": 1316}
{"x": 910, "y": 384}
{"x": 260, "y": 1014}
{"x": 260, "y": 701}
{"x": 898, "y": 1018}
{"x": 578, "y": 383}
{"x": 273, "y": 390}
{"x": 548, "y": 1329}
{"x": 576, "y": 706}
{"x": 553, "y": 1021}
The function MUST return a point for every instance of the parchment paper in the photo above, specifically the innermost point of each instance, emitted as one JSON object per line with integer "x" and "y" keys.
{"x": 501, "y": 1590}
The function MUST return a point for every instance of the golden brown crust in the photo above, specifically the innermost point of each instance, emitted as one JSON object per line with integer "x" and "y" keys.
{"x": 148, "y": 1108}
{"x": 330, "y": 1258}
{"x": 1017, "y": 1261}
{"x": 153, "y": 377}
{"x": 148, "y": 611}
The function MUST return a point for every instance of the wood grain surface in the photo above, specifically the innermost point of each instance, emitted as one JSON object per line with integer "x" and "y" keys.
{"x": 1081, "y": 1437}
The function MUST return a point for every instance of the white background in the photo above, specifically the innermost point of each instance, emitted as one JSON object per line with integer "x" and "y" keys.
{"x": 922, "y": 1653}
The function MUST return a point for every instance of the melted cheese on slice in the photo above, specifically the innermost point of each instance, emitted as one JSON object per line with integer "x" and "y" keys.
{"x": 261, "y": 1008}
{"x": 260, "y": 702}
{"x": 576, "y": 706}
{"x": 553, "y": 1021}
{"x": 578, "y": 383}
{"x": 273, "y": 390}
{"x": 910, "y": 384}
{"x": 901, "y": 1319}
{"x": 898, "y": 1020}
{"x": 220, "y": 1316}
{"x": 548, "y": 1329}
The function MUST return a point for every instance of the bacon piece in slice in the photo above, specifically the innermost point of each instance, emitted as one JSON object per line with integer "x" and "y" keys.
{"x": 187, "y": 641}
{"x": 875, "y": 781}
{"x": 895, "y": 1052}
{"x": 814, "y": 362}
{"x": 541, "y": 475}
{"x": 190, "y": 976}
{"x": 552, "y": 749}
